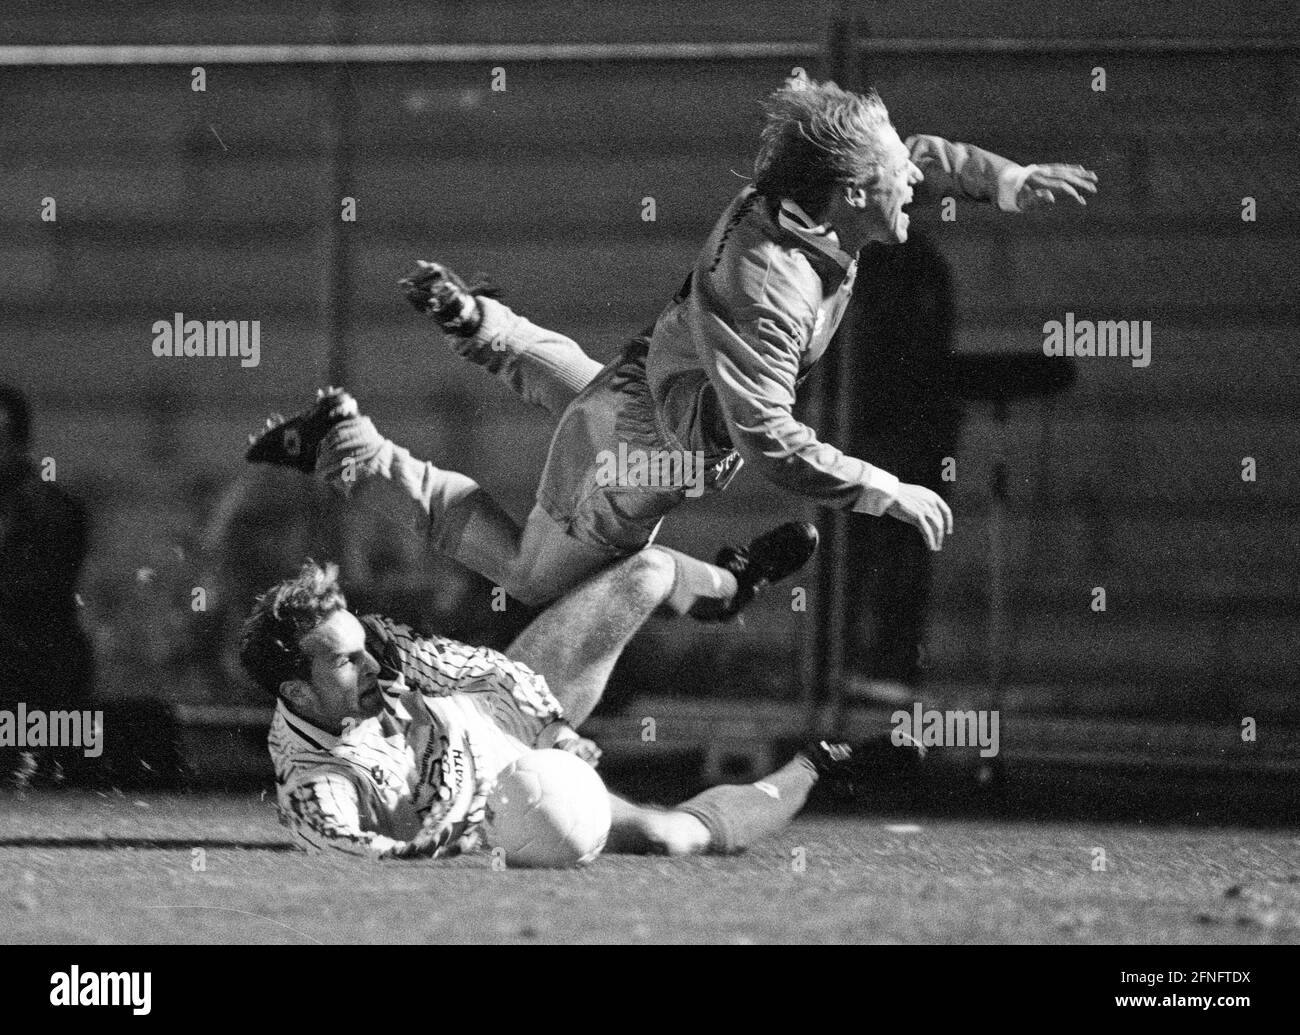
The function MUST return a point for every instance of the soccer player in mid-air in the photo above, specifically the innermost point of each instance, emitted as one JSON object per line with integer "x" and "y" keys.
{"x": 716, "y": 375}
{"x": 387, "y": 744}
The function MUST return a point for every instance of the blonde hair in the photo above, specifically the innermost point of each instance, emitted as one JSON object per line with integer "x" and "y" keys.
{"x": 818, "y": 136}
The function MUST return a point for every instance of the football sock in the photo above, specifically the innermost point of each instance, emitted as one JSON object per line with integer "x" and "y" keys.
{"x": 697, "y": 580}
{"x": 543, "y": 367}
{"x": 737, "y": 815}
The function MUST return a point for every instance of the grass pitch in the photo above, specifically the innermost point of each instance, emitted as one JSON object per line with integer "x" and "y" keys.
{"x": 80, "y": 867}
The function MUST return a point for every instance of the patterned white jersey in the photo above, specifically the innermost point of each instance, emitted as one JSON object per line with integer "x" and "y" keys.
{"x": 413, "y": 779}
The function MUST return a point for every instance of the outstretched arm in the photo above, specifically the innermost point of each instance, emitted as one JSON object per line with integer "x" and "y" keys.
{"x": 971, "y": 172}
{"x": 754, "y": 369}
{"x": 754, "y": 372}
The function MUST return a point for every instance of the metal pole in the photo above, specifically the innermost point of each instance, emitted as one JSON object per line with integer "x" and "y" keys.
{"x": 334, "y": 266}
{"x": 337, "y": 126}
{"x": 837, "y": 418}
{"x": 997, "y": 561}
{"x": 811, "y": 644}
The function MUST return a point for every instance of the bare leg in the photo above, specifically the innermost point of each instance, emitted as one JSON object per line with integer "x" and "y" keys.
{"x": 575, "y": 645}
{"x": 577, "y": 640}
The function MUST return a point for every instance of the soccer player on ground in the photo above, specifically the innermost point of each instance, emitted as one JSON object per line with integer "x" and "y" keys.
{"x": 386, "y": 744}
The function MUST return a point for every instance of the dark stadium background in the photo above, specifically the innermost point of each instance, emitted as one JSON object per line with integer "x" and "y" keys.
{"x": 222, "y": 205}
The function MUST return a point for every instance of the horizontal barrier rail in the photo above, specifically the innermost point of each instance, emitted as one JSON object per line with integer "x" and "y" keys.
{"x": 1157, "y": 45}
{"x": 55, "y": 55}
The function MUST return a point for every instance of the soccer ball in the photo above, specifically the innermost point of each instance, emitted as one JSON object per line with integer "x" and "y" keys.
{"x": 549, "y": 809}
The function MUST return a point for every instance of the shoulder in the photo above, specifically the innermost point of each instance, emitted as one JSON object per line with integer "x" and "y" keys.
{"x": 397, "y": 645}
{"x": 383, "y": 631}
{"x": 493, "y": 665}
{"x": 757, "y": 267}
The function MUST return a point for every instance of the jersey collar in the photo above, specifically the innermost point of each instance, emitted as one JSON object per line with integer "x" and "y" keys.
{"x": 821, "y": 237}
{"x": 308, "y": 735}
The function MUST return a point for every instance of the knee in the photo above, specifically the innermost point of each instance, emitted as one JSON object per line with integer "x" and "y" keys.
{"x": 648, "y": 577}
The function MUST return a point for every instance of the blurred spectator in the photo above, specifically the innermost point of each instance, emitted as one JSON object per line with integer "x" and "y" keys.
{"x": 908, "y": 418}
{"x": 43, "y": 541}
